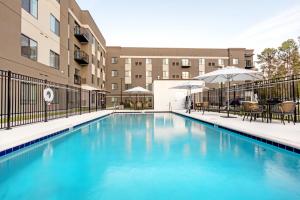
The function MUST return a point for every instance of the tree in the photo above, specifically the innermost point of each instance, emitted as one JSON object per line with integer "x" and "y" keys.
{"x": 268, "y": 61}
{"x": 288, "y": 55}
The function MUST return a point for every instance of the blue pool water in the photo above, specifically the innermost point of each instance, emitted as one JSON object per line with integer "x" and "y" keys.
{"x": 150, "y": 156}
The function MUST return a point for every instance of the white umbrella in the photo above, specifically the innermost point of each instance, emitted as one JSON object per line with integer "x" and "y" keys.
{"x": 190, "y": 86}
{"x": 137, "y": 90}
{"x": 228, "y": 74}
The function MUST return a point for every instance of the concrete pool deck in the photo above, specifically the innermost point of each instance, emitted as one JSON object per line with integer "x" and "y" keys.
{"x": 23, "y": 134}
{"x": 288, "y": 134}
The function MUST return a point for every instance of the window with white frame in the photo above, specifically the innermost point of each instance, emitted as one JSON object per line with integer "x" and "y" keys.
{"x": 114, "y": 86}
{"x": 221, "y": 62}
{"x": 54, "y": 25}
{"x": 149, "y": 73}
{"x": 31, "y": 6}
{"x": 114, "y": 60}
{"x": 127, "y": 73}
{"x": 235, "y": 61}
{"x": 185, "y": 75}
{"x": 114, "y": 73}
{"x": 166, "y": 61}
{"x": 148, "y": 61}
{"x": 127, "y": 60}
{"x": 165, "y": 74}
{"x": 185, "y": 62}
{"x": 54, "y": 60}
{"x": 201, "y": 61}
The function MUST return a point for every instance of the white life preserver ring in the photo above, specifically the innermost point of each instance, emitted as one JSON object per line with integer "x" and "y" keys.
{"x": 48, "y": 95}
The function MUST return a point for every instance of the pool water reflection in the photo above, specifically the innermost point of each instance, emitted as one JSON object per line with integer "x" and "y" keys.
{"x": 151, "y": 156}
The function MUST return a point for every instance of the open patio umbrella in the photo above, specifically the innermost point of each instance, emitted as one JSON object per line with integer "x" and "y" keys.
{"x": 136, "y": 91}
{"x": 228, "y": 74}
{"x": 190, "y": 85}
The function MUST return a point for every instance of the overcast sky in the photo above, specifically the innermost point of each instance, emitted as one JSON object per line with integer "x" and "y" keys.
{"x": 196, "y": 23}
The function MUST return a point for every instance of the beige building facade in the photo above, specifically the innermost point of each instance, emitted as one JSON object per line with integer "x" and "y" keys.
{"x": 57, "y": 41}
{"x": 129, "y": 67}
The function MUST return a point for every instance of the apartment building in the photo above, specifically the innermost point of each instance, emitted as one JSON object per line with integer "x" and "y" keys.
{"x": 57, "y": 41}
{"x": 129, "y": 67}
{"x": 53, "y": 40}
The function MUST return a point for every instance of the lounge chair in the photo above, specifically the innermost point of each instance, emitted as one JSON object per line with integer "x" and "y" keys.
{"x": 286, "y": 108}
{"x": 139, "y": 105}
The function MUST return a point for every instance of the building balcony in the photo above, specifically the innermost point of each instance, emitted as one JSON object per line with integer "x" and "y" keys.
{"x": 77, "y": 80}
{"x": 81, "y": 57}
{"x": 81, "y": 34}
{"x": 186, "y": 64}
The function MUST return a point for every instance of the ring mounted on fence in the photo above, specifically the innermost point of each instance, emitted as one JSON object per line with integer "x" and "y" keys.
{"x": 48, "y": 95}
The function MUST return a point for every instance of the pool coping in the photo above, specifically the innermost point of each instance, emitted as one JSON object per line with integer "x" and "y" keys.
{"x": 10, "y": 150}
{"x": 243, "y": 133}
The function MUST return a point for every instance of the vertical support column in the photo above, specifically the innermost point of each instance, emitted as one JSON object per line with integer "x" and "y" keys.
{"x": 46, "y": 106}
{"x": 67, "y": 101}
{"x": 8, "y": 99}
{"x": 89, "y": 101}
{"x": 96, "y": 101}
{"x": 80, "y": 101}
{"x": 294, "y": 97}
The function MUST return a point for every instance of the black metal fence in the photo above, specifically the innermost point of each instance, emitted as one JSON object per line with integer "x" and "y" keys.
{"x": 268, "y": 92}
{"x": 22, "y": 100}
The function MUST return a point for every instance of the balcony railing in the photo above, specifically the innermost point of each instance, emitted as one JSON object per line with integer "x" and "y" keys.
{"x": 81, "y": 57}
{"x": 77, "y": 80}
{"x": 186, "y": 64}
{"x": 81, "y": 34}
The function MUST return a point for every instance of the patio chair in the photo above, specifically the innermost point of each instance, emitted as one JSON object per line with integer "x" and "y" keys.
{"x": 253, "y": 110}
{"x": 139, "y": 105}
{"x": 286, "y": 108}
{"x": 131, "y": 105}
{"x": 205, "y": 106}
{"x": 198, "y": 106}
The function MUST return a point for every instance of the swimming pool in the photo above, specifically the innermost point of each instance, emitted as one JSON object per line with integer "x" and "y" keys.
{"x": 150, "y": 156}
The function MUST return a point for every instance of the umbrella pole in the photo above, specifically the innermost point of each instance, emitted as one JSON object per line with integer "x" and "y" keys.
{"x": 228, "y": 98}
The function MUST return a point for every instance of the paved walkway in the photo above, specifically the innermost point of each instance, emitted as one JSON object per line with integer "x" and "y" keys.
{"x": 288, "y": 134}
{"x": 22, "y": 134}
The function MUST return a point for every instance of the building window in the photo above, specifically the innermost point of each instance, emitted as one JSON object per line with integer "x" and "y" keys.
{"x": 127, "y": 61}
{"x": 93, "y": 78}
{"x": 149, "y": 73}
{"x": 185, "y": 62}
{"x": 114, "y": 86}
{"x": 221, "y": 62}
{"x": 165, "y": 74}
{"x": 114, "y": 60}
{"x": 165, "y": 61}
{"x": 185, "y": 75}
{"x": 248, "y": 63}
{"x": 235, "y": 61}
{"x": 54, "y": 60}
{"x": 148, "y": 61}
{"x": 127, "y": 86}
{"x": 28, "y": 47}
{"x": 31, "y": 6}
{"x": 114, "y": 73}
{"x": 128, "y": 73}
{"x": 201, "y": 61}
{"x": 54, "y": 25}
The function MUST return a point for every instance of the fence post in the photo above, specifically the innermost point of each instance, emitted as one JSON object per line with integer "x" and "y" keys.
{"x": 80, "y": 103}
{"x": 294, "y": 98}
{"x": 67, "y": 101}
{"x": 96, "y": 101}
{"x": 8, "y": 99}
{"x": 45, "y": 108}
{"x": 89, "y": 101}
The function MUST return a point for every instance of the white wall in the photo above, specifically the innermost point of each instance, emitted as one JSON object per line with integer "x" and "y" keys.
{"x": 164, "y": 96}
